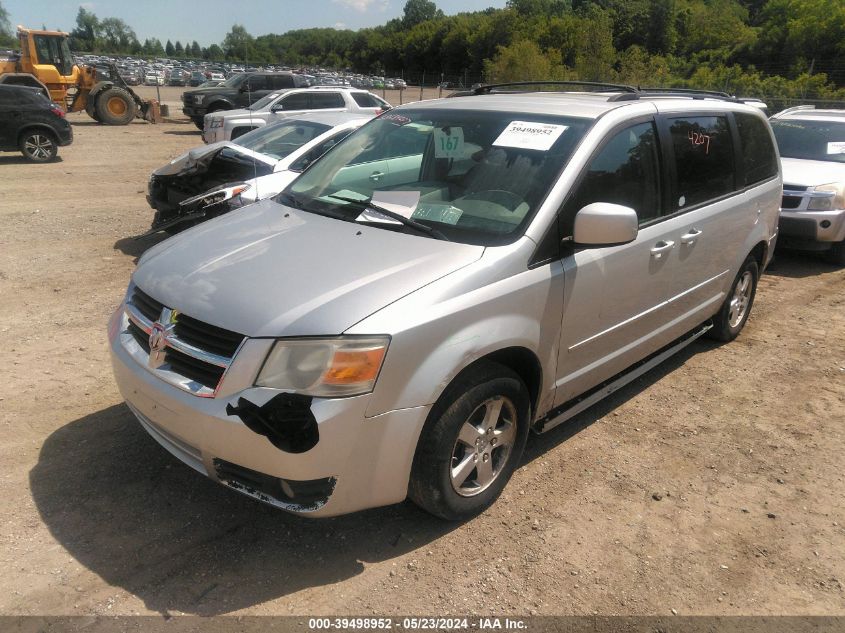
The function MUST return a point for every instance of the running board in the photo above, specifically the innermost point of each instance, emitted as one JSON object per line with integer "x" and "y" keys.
{"x": 569, "y": 409}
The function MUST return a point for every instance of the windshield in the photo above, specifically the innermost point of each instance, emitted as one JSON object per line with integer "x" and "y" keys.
{"x": 265, "y": 101}
{"x": 811, "y": 139}
{"x": 476, "y": 177}
{"x": 232, "y": 82}
{"x": 281, "y": 139}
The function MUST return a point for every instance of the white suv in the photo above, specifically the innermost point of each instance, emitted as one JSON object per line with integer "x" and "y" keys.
{"x": 229, "y": 125}
{"x": 812, "y": 149}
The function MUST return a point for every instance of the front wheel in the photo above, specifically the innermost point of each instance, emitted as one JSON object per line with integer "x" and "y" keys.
{"x": 115, "y": 106}
{"x": 836, "y": 254}
{"x": 471, "y": 444}
{"x": 729, "y": 321}
{"x": 38, "y": 146}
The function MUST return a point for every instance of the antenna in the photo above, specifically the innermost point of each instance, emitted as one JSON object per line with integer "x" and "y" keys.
{"x": 249, "y": 109}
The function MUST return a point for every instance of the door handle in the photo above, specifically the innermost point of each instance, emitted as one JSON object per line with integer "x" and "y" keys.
{"x": 662, "y": 247}
{"x": 376, "y": 176}
{"x": 691, "y": 237}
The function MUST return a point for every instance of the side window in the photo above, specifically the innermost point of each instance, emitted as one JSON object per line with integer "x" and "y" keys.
{"x": 365, "y": 100}
{"x": 298, "y": 101}
{"x": 626, "y": 171}
{"x": 408, "y": 140}
{"x": 322, "y": 100}
{"x": 257, "y": 82}
{"x": 704, "y": 159}
{"x": 276, "y": 82}
{"x": 758, "y": 153}
{"x": 309, "y": 157}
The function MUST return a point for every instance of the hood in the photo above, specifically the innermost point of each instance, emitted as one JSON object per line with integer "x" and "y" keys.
{"x": 269, "y": 270}
{"x": 205, "y": 91}
{"x": 204, "y": 154}
{"x": 231, "y": 114}
{"x": 810, "y": 173}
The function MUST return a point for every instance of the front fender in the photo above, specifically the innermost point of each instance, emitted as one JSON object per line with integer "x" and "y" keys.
{"x": 443, "y": 328}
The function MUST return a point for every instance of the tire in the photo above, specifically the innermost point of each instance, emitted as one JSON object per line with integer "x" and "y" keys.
{"x": 38, "y": 146}
{"x": 731, "y": 317}
{"x": 115, "y": 106}
{"x": 198, "y": 121}
{"x": 457, "y": 438}
{"x": 836, "y": 254}
{"x": 90, "y": 111}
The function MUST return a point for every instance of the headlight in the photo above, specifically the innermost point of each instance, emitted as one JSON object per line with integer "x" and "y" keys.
{"x": 834, "y": 200}
{"x": 325, "y": 368}
{"x": 215, "y": 196}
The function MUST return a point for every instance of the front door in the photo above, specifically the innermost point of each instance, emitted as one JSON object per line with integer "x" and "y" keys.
{"x": 615, "y": 297}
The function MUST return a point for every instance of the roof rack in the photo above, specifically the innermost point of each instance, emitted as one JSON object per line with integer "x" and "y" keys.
{"x": 487, "y": 89}
{"x": 689, "y": 91}
{"x": 794, "y": 109}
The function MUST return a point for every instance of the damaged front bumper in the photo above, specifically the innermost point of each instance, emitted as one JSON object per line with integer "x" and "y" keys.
{"x": 357, "y": 462}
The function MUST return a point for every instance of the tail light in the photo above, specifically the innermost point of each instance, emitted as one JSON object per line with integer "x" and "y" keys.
{"x": 55, "y": 109}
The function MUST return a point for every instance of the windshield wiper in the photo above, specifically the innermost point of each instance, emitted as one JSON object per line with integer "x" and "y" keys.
{"x": 392, "y": 215}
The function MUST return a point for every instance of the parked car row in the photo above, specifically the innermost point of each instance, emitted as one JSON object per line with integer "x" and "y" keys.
{"x": 441, "y": 280}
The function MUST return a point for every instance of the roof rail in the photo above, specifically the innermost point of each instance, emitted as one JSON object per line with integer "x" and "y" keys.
{"x": 689, "y": 91}
{"x": 793, "y": 109}
{"x": 487, "y": 89}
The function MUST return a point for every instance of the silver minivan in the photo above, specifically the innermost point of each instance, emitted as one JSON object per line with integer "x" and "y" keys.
{"x": 451, "y": 276}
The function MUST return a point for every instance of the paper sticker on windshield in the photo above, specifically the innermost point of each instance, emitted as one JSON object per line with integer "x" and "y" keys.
{"x": 443, "y": 213}
{"x": 398, "y": 119}
{"x": 837, "y": 147}
{"x": 528, "y": 135}
{"x": 448, "y": 142}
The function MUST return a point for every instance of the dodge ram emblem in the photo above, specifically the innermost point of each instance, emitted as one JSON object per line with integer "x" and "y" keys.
{"x": 160, "y": 331}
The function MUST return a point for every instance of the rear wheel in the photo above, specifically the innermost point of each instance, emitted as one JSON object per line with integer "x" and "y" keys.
{"x": 471, "y": 443}
{"x": 198, "y": 121}
{"x": 115, "y": 106}
{"x": 729, "y": 321}
{"x": 39, "y": 146}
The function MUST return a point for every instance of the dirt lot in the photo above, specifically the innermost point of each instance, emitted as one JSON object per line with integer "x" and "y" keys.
{"x": 713, "y": 485}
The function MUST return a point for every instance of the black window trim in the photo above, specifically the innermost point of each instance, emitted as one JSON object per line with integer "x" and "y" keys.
{"x": 739, "y": 152}
{"x": 663, "y": 122}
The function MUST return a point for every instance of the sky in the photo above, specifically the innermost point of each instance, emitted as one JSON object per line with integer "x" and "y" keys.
{"x": 208, "y": 21}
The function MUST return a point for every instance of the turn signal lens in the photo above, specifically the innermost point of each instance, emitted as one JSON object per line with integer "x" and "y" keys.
{"x": 356, "y": 366}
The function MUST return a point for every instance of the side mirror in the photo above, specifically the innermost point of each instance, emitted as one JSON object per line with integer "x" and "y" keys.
{"x": 244, "y": 88}
{"x": 605, "y": 224}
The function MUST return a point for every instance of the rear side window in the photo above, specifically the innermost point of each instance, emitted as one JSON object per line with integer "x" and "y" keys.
{"x": 323, "y": 100}
{"x": 298, "y": 101}
{"x": 276, "y": 82}
{"x": 625, "y": 171}
{"x": 365, "y": 100}
{"x": 704, "y": 159}
{"x": 758, "y": 152}
{"x": 258, "y": 82}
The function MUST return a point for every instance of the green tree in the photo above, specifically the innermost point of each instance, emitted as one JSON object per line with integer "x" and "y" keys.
{"x": 214, "y": 53}
{"x": 169, "y": 50}
{"x": 6, "y": 37}
{"x": 238, "y": 43}
{"x": 87, "y": 32}
{"x": 196, "y": 51}
{"x": 116, "y": 36}
{"x": 521, "y": 61}
{"x": 417, "y": 11}
{"x": 178, "y": 49}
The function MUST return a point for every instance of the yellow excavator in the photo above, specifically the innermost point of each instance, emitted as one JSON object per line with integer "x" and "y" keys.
{"x": 45, "y": 61}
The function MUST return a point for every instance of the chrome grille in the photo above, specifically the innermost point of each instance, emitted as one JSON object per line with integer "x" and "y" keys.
{"x": 195, "y": 356}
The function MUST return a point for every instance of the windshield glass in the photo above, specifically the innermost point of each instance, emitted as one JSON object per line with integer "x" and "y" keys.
{"x": 811, "y": 139}
{"x": 476, "y": 177}
{"x": 234, "y": 81}
{"x": 281, "y": 139}
{"x": 265, "y": 101}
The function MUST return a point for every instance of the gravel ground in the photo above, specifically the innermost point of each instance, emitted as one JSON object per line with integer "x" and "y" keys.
{"x": 712, "y": 485}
